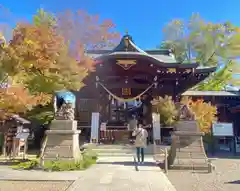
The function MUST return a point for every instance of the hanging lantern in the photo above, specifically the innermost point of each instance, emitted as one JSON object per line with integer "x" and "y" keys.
{"x": 155, "y": 78}
{"x": 113, "y": 101}
{"x": 97, "y": 80}
{"x": 135, "y": 102}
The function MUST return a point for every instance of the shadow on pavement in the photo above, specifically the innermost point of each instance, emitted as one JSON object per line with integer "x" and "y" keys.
{"x": 12, "y": 162}
{"x": 223, "y": 156}
{"x": 196, "y": 169}
{"x": 233, "y": 182}
{"x": 128, "y": 163}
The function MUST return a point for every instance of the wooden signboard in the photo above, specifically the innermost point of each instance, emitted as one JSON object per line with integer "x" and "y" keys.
{"x": 94, "y": 127}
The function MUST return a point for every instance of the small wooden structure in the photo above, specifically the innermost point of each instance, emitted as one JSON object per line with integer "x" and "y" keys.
{"x": 227, "y": 103}
{"x": 14, "y": 136}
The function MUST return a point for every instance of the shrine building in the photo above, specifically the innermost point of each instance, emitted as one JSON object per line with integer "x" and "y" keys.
{"x": 126, "y": 75}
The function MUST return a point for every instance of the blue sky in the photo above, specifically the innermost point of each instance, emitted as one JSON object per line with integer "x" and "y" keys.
{"x": 144, "y": 19}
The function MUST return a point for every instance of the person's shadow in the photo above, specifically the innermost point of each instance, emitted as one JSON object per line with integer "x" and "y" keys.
{"x": 133, "y": 163}
{"x": 233, "y": 182}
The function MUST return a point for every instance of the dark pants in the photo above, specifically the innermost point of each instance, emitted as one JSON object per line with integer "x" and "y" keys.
{"x": 140, "y": 154}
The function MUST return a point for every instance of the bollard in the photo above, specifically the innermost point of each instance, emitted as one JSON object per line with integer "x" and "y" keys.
{"x": 41, "y": 162}
{"x": 166, "y": 161}
{"x": 210, "y": 166}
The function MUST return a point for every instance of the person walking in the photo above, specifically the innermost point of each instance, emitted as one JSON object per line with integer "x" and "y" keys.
{"x": 140, "y": 142}
{"x": 131, "y": 127}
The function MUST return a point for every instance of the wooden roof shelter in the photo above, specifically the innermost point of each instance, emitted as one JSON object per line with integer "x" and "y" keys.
{"x": 126, "y": 73}
{"x": 128, "y": 66}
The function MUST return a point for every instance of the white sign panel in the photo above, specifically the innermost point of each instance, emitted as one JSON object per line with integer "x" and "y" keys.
{"x": 156, "y": 126}
{"x": 22, "y": 136}
{"x": 222, "y": 129}
{"x": 103, "y": 126}
{"x": 237, "y": 143}
{"x": 94, "y": 127}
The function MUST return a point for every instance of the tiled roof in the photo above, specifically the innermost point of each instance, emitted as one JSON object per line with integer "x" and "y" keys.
{"x": 127, "y": 47}
{"x": 160, "y": 55}
{"x": 211, "y": 93}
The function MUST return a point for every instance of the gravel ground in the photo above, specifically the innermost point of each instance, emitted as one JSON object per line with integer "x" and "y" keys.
{"x": 225, "y": 178}
{"x": 34, "y": 185}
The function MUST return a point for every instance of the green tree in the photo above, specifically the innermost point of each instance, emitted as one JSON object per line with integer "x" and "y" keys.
{"x": 44, "y": 18}
{"x": 207, "y": 43}
{"x": 218, "y": 80}
{"x": 199, "y": 41}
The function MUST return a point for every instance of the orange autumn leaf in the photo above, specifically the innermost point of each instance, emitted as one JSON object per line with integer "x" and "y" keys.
{"x": 46, "y": 56}
{"x": 205, "y": 112}
{"x": 17, "y": 100}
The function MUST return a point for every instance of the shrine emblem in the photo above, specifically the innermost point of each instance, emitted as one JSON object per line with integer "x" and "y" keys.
{"x": 126, "y": 64}
{"x": 171, "y": 70}
{"x": 126, "y": 91}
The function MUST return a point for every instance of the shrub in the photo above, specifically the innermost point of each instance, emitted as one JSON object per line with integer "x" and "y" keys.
{"x": 167, "y": 110}
{"x": 89, "y": 158}
{"x": 83, "y": 164}
{"x": 26, "y": 165}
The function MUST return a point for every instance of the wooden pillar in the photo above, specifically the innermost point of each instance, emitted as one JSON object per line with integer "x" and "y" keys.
{"x": 175, "y": 95}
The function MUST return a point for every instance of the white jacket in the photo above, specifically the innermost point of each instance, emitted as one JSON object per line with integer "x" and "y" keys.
{"x": 141, "y": 137}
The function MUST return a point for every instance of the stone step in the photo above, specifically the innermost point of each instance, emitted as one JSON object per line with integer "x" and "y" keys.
{"x": 113, "y": 150}
{"x": 106, "y": 146}
{"x": 113, "y": 146}
{"x": 115, "y": 154}
{"x": 121, "y": 155}
{"x": 119, "y": 150}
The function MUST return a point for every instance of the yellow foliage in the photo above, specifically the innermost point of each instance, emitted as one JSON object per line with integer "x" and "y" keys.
{"x": 167, "y": 110}
{"x": 16, "y": 99}
{"x": 39, "y": 57}
{"x": 205, "y": 113}
{"x": 44, "y": 59}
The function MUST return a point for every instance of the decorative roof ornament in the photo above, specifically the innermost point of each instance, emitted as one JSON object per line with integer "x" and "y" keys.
{"x": 2, "y": 40}
{"x": 126, "y": 64}
{"x": 126, "y": 42}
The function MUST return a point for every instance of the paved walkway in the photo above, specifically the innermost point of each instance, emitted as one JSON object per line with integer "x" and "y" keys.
{"x": 118, "y": 174}
{"x": 6, "y": 173}
{"x": 110, "y": 174}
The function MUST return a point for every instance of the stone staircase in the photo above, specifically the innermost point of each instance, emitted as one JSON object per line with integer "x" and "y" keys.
{"x": 118, "y": 150}
{"x": 112, "y": 150}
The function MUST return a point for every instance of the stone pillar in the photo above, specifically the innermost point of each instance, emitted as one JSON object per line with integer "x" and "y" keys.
{"x": 62, "y": 141}
{"x": 187, "y": 148}
{"x": 156, "y": 128}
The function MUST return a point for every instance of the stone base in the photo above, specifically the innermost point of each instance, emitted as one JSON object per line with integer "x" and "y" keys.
{"x": 62, "y": 141}
{"x": 187, "y": 150}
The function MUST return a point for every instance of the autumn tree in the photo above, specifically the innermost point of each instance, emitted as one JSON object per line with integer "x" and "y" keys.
{"x": 88, "y": 30}
{"x": 210, "y": 44}
{"x": 17, "y": 99}
{"x": 42, "y": 58}
{"x": 205, "y": 113}
{"x": 44, "y": 18}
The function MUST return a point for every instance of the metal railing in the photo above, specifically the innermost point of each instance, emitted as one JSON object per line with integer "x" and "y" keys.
{"x": 159, "y": 152}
